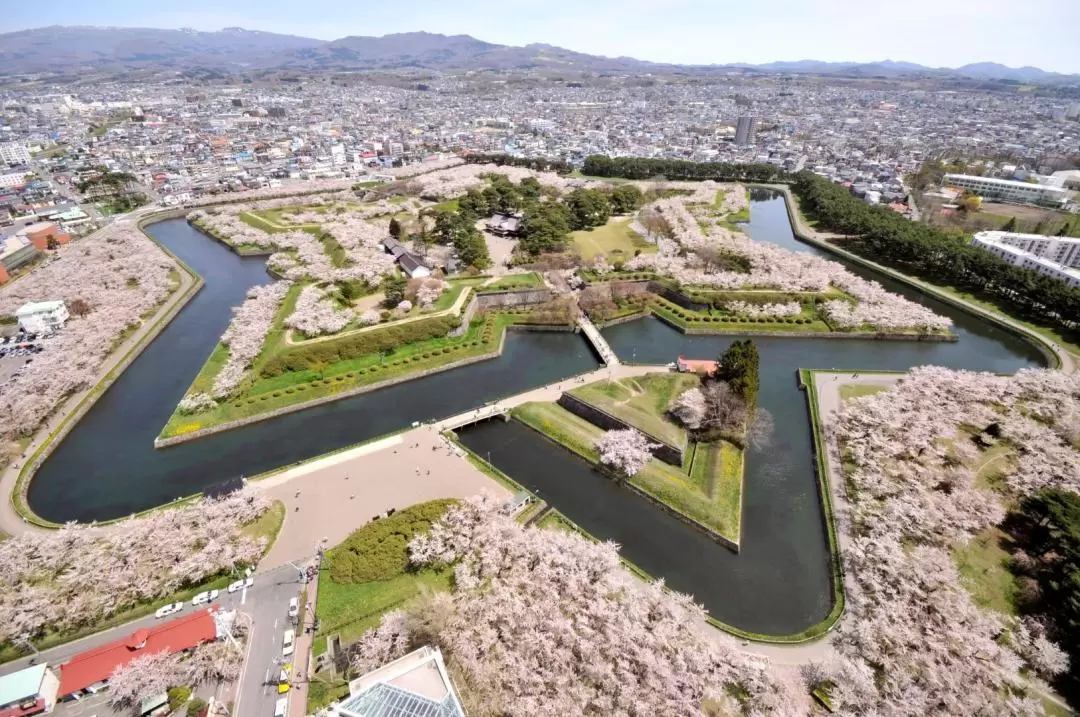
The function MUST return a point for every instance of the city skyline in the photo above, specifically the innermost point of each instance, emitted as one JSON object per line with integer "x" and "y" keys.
{"x": 671, "y": 31}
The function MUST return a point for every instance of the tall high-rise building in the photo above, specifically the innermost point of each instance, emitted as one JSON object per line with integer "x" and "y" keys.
{"x": 744, "y": 131}
{"x": 14, "y": 153}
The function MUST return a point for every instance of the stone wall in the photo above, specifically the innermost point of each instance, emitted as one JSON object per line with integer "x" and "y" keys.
{"x": 612, "y": 289}
{"x": 466, "y": 318}
{"x": 304, "y": 405}
{"x": 598, "y": 417}
{"x": 514, "y": 297}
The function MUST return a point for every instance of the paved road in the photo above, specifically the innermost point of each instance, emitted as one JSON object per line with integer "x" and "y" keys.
{"x": 263, "y": 607}
{"x": 267, "y": 606}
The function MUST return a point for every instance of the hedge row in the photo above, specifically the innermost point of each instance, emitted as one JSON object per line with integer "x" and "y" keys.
{"x": 379, "y": 550}
{"x": 303, "y": 358}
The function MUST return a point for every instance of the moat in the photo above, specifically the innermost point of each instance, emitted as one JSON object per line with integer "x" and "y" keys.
{"x": 107, "y": 466}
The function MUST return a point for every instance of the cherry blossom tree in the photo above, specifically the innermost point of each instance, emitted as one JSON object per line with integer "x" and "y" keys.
{"x": 79, "y": 574}
{"x": 627, "y": 450}
{"x": 251, "y": 322}
{"x": 315, "y": 313}
{"x": 609, "y": 645}
{"x": 913, "y": 495}
{"x": 689, "y": 408}
{"x": 143, "y": 677}
{"x": 122, "y": 276}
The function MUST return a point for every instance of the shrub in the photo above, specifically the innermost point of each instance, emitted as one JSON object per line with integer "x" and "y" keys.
{"x": 302, "y": 387}
{"x": 277, "y": 394}
{"x": 288, "y": 390}
{"x": 196, "y": 706}
{"x": 446, "y": 349}
{"x": 379, "y": 550}
{"x": 263, "y": 397}
{"x": 416, "y": 357}
{"x": 238, "y": 404}
{"x": 427, "y": 354}
{"x": 178, "y": 696}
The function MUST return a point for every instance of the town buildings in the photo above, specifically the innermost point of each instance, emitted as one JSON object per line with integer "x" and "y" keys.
{"x": 42, "y": 317}
{"x": 1009, "y": 190}
{"x": 28, "y": 692}
{"x": 1058, "y": 257}
{"x": 746, "y": 131}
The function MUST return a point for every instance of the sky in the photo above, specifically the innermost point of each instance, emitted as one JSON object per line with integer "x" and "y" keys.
{"x": 937, "y": 33}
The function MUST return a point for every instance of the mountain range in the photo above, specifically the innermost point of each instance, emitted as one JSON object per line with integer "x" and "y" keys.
{"x": 62, "y": 48}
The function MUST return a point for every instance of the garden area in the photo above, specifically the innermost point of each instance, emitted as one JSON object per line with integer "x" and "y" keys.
{"x": 708, "y": 492}
{"x": 367, "y": 575}
{"x": 642, "y": 402}
{"x": 615, "y": 240}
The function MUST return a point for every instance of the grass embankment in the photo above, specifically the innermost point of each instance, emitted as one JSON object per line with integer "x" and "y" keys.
{"x": 513, "y": 281}
{"x": 264, "y": 394}
{"x": 268, "y": 525}
{"x": 642, "y": 402}
{"x": 663, "y": 482}
{"x": 984, "y": 571}
{"x": 720, "y": 320}
{"x": 854, "y": 390}
{"x": 367, "y": 575}
{"x": 615, "y": 240}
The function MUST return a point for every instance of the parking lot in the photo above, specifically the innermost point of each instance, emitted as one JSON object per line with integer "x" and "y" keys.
{"x": 9, "y": 366}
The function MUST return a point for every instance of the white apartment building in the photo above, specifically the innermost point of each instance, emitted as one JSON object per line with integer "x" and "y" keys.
{"x": 1058, "y": 257}
{"x": 14, "y": 153}
{"x": 42, "y": 317}
{"x": 1009, "y": 190}
{"x": 12, "y": 179}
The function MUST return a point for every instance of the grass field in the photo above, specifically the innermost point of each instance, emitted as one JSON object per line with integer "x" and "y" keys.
{"x": 514, "y": 281}
{"x": 615, "y": 240}
{"x": 856, "y": 390}
{"x": 262, "y": 395}
{"x": 348, "y": 609}
{"x": 984, "y": 570}
{"x": 642, "y": 402}
{"x": 666, "y": 483}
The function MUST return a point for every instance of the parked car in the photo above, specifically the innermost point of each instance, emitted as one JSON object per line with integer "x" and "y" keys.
{"x": 241, "y": 584}
{"x": 294, "y": 607}
{"x": 205, "y": 597}
{"x": 170, "y": 609}
{"x": 283, "y": 678}
{"x": 287, "y": 641}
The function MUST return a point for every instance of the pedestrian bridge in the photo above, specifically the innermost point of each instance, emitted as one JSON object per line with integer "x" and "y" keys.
{"x": 597, "y": 340}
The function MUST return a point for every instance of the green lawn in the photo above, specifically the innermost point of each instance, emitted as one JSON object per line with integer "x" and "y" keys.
{"x": 260, "y": 394}
{"x": 725, "y": 321}
{"x": 514, "y": 281}
{"x": 450, "y": 205}
{"x": 856, "y": 390}
{"x": 984, "y": 570}
{"x": 267, "y": 525}
{"x": 660, "y": 480}
{"x": 642, "y": 402}
{"x": 348, "y": 609}
{"x": 615, "y": 240}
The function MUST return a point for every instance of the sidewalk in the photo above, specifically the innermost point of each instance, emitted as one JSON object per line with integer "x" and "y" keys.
{"x": 298, "y": 695}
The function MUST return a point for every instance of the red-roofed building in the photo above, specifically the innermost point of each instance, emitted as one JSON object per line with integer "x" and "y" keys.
{"x": 686, "y": 365}
{"x": 183, "y": 633}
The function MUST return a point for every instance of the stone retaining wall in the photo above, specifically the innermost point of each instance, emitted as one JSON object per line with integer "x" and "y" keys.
{"x": 622, "y": 319}
{"x": 599, "y": 417}
{"x": 514, "y": 297}
{"x": 357, "y": 391}
{"x": 466, "y": 318}
{"x": 863, "y": 335}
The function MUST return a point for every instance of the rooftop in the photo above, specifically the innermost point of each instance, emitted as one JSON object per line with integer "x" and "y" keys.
{"x": 97, "y": 664}
{"x": 415, "y": 685}
{"x": 38, "y": 307}
{"x": 21, "y": 685}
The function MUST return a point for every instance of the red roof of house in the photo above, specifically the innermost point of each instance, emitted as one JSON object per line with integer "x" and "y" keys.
{"x": 696, "y": 365}
{"x": 17, "y": 711}
{"x": 97, "y": 664}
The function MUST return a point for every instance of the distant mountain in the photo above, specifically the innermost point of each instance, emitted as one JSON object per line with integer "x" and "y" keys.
{"x": 63, "y": 48}
{"x": 234, "y": 49}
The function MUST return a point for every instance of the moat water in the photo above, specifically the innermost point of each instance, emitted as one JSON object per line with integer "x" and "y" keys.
{"x": 107, "y": 466}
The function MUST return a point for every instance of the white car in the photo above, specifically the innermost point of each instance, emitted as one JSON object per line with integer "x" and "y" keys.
{"x": 241, "y": 584}
{"x": 205, "y": 597}
{"x": 294, "y": 607}
{"x": 170, "y": 609}
{"x": 287, "y": 645}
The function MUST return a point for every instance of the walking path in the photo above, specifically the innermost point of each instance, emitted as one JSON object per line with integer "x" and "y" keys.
{"x": 597, "y": 340}
{"x": 10, "y": 521}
